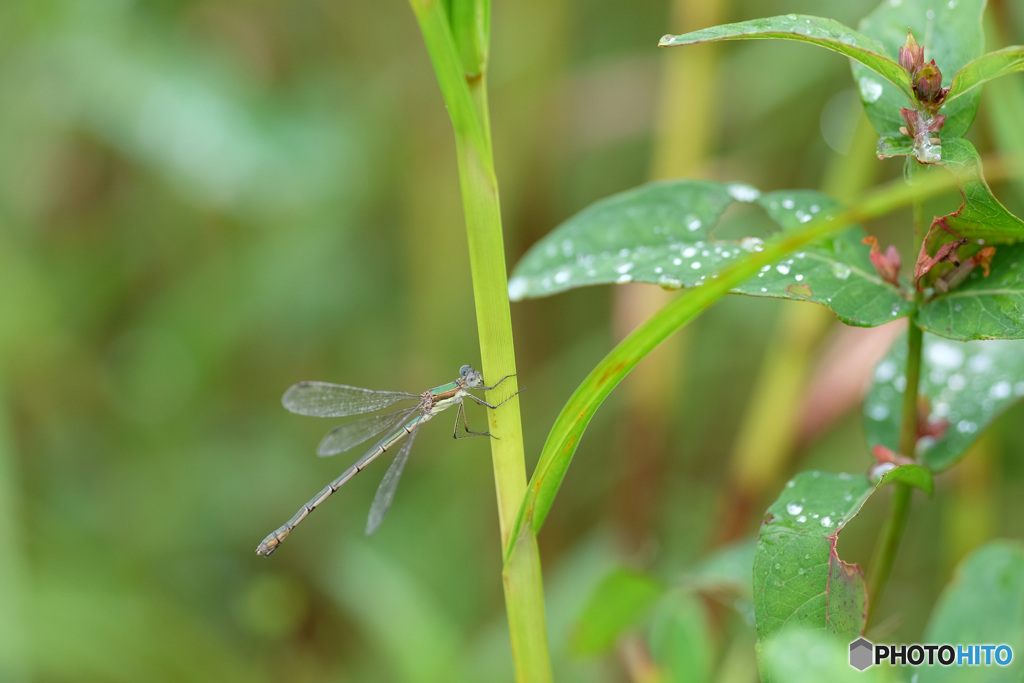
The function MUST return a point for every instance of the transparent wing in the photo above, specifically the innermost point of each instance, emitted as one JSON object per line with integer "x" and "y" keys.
{"x": 386, "y": 490}
{"x": 354, "y": 433}
{"x": 321, "y": 399}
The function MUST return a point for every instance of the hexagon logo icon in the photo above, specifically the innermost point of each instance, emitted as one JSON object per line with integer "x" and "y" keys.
{"x": 860, "y": 654}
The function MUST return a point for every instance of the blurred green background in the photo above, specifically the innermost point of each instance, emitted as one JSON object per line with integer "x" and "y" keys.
{"x": 203, "y": 202}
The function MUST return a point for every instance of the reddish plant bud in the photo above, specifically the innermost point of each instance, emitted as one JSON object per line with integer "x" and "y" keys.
{"x": 928, "y": 84}
{"x": 911, "y": 56}
{"x": 883, "y": 454}
{"x": 888, "y": 264}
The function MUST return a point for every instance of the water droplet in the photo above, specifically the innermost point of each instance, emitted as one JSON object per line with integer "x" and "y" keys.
{"x": 945, "y": 355}
{"x": 966, "y": 427}
{"x": 826, "y": 521}
{"x": 788, "y": 203}
{"x": 794, "y": 508}
{"x": 778, "y": 565}
{"x": 624, "y": 268}
{"x": 692, "y": 223}
{"x": 690, "y": 252}
{"x": 801, "y": 571}
{"x": 886, "y": 370}
{"x": 517, "y": 287}
{"x": 1000, "y": 390}
{"x": 798, "y": 278}
{"x": 878, "y": 411}
{"x": 782, "y": 268}
{"x": 841, "y": 270}
{"x": 743, "y": 193}
{"x": 870, "y": 89}
{"x": 562, "y": 276}
{"x": 846, "y": 38}
{"x": 879, "y": 470}
{"x": 980, "y": 363}
{"x": 801, "y": 519}
{"x": 624, "y": 278}
{"x": 930, "y": 15}
{"x": 695, "y": 265}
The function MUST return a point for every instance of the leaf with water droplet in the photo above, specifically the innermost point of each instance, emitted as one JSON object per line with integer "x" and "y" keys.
{"x": 829, "y": 594}
{"x": 826, "y": 33}
{"x": 982, "y": 307}
{"x": 661, "y": 233}
{"x": 967, "y": 384}
{"x": 951, "y": 35}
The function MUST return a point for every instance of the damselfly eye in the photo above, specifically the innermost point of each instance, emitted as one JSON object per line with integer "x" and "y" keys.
{"x": 465, "y": 370}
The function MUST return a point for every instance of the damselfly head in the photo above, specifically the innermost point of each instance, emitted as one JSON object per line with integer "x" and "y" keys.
{"x": 472, "y": 377}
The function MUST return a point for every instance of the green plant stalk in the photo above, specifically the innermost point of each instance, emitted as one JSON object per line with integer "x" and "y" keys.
{"x": 14, "y": 665}
{"x": 581, "y": 406}
{"x": 896, "y": 524}
{"x": 465, "y": 94}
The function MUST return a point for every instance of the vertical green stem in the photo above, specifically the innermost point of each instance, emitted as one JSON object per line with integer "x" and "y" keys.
{"x": 462, "y": 77}
{"x": 896, "y": 524}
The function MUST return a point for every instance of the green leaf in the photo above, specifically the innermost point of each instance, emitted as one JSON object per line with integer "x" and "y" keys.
{"x": 661, "y": 233}
{"x": 985, "y": 68}
{"x": 800, "y": 655}
{"x": 950, "y": 33}
{"x": 982, "y": 307}
{"x": 799, "y": 579}
{"x": 968, "y": 384}
{"x": 981, "y": 216}
{"x": 680, "y": 638}
{"x": 616, "y": 605}
{"x": 826, "y": 33}
{"x": 984, "y": 604}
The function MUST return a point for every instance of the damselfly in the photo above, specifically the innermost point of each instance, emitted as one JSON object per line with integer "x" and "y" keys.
{"x": 321, "y": 399}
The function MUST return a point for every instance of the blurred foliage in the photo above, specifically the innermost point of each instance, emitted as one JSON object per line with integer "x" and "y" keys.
{"x": 203, "y": 202}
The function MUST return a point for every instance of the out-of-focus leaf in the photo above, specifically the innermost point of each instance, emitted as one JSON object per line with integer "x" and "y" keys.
{"x": 661, "y": 233}
{"x": 802, "y": 655}
{"x": 819, "y": 31}
{"x": 984, "y": 604}
{"x": 726, "y": 568}
{"x": 967, "y": 384}
{"x": 985, "y": 68}
{"x": 725, "y": 575}
{"x": 799, "y": 580}
{"x": 680, "y": 639}
{"x": 950, "y": 33}
{"x": 982, "y": 307}
{"x": 619, "y": 601}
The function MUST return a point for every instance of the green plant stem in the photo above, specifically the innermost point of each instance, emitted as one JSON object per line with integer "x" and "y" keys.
{"x": 465, "y": 94}
{"x": 896, "y": 524}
